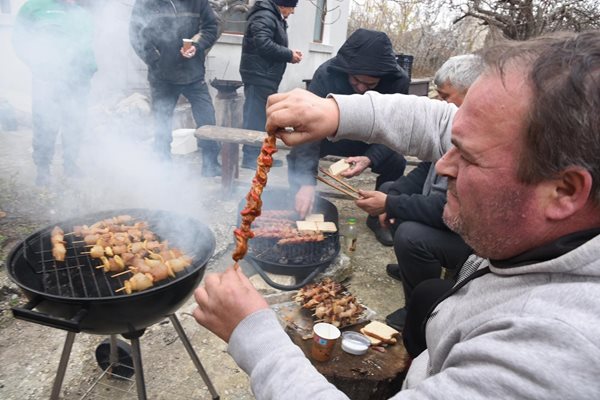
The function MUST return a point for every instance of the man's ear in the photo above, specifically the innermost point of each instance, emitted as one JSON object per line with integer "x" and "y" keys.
{"x": 570, "y": 193}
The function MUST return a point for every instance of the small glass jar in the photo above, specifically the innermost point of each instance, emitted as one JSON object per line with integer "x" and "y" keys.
{"x": 350, "y": 235}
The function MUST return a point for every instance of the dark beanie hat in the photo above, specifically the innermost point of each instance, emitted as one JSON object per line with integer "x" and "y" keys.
{"x": 286, "y": 3}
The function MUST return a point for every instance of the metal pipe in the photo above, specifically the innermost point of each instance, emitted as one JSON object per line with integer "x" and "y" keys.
{"x": 193, "y": 356}
{"x": 137, "y": 365}
{"x": 62, "y": 365}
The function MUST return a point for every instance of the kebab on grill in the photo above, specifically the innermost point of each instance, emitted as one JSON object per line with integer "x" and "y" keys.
{"x": 132, "y": 249}
{"x": 57, "y": 238}
{"x": 156, "y": 271}
{"x": 138, "y": 282}
{"x": 276, "y": 225}
{"x": 253, "y": 200}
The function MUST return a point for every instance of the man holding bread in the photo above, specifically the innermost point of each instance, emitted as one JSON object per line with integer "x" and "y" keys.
{"x": 523, "y": 175}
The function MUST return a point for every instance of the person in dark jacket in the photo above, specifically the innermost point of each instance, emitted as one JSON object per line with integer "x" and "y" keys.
{"x": 265, "y": 55}
{"x": 366, "y": 61}
{"x": 53, "y": 37}
{"x": 156, "y": 33}
{"x": 413, "y": 206}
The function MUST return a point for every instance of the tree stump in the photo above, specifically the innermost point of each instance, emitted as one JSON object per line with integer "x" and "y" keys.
{"x": 372, "y": 376}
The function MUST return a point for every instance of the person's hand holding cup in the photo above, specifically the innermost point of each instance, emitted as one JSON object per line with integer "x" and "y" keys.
{"x": 188, "y": 50}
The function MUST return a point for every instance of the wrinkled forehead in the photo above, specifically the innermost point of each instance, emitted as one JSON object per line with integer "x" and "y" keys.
{"x": 495, "y": 108}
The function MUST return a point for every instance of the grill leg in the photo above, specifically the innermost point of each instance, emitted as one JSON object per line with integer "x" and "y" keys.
{"x": 136, "y": 355}
{"x": 114, "y": 356}
{"x": 193, "y": 356}
{"x": 62, "y": 365}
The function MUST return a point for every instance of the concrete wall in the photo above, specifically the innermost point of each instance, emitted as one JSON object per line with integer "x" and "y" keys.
{"x": 121, "y": 73}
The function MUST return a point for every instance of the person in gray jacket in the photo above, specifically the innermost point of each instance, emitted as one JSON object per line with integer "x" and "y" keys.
{"x": 520, "y": 156}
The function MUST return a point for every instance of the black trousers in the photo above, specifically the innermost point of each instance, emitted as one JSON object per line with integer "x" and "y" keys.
{"x": 164, "y": 99}
{"x": 424, "y": 296}
{"x": 422, "y": 251}
{"x": 58, "y": 106}
{"x": 390, "y": 170}
{"x": 255, "y": 114}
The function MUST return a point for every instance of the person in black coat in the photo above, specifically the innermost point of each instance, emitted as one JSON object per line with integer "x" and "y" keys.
{"x": 156, "y": 32}
{"x": 265, "y": 55}
{"x": 366, "y": 61}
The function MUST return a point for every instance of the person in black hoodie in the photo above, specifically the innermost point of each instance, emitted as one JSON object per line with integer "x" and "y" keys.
{"x": 366, "y": 61}
{"x": 265, "y": 55}
{"x": 156, "y": 32}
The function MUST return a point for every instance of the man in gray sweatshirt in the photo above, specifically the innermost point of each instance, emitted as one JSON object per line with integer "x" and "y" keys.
{"x": 521, "y": 158}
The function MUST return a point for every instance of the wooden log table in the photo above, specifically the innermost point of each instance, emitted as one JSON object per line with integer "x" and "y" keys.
{"x": 372, "y": 376}
{"x": 231, "y": 138}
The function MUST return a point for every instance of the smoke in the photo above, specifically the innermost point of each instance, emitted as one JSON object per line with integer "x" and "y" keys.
{"x": 120, "y": 169}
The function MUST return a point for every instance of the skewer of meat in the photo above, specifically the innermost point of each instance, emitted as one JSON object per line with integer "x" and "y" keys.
{"x": 57, "y": 238}
{"x": 138, "y": 282}
{"x": 253, "y": 200}
{"x": 304, "y": 238}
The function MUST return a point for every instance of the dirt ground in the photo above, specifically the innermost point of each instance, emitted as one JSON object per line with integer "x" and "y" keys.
{"x": 30, "y": 352}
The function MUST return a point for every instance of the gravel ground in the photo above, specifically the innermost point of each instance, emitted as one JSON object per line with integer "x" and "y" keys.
{"x": 30, "y": 352}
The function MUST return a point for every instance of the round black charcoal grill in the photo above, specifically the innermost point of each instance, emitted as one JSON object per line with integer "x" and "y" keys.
{"x": 304, "y": 261}
{"x": 77, "y": 296}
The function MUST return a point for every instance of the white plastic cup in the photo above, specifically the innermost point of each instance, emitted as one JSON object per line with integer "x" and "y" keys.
{"x": 187, "y": 43}
{"x": 324, "y": 338}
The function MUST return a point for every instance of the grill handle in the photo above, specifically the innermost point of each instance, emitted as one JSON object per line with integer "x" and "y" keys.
{"x": 28, "y": 314}
{"x": 276, "y": 285}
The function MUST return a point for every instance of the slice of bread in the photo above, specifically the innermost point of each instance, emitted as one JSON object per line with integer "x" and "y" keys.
{"x": 338, "y": 167}
{"x": 381, "y": 331}
{"x": 326, "y": 227}
{"x": 306, "y": 226}
{"x": 313, "y": 226}
{"x": 374, "y": 341}
{"x": 315, "y": 217}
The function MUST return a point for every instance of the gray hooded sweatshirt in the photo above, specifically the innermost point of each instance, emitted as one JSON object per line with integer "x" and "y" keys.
{"x": 519, "y": 332}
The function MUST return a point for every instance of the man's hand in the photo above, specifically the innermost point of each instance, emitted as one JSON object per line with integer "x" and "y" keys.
{"x": 305, "y": 198}
{"x": 189, "y": 53}
{"x": 373, "y": 202}
{"x": 311, "y": 117}
{"x": 359, "y": 164}
{"x": 225, "y": 300}
{"x": 385, "y": 221}
{"x": 296, "y": 56}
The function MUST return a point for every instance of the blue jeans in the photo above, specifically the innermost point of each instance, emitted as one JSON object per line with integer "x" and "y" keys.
{"x": 255, "y": 114}
{"x": 164, "y": 100}
{"x": 58, "y": 106}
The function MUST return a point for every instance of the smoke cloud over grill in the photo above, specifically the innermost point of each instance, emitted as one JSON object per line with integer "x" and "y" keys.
{"x": 115, "y": 155}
